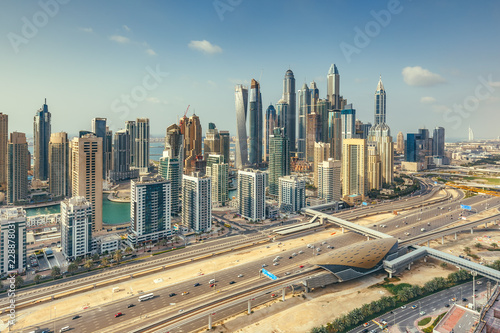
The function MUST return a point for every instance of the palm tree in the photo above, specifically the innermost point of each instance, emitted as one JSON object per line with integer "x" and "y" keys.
{"x": 444, "y": 265}
{"x": 88, "y": 264}
{"x": 494, "y": 245}
{"x": 72, "y": 268}
{"x": 117, "y": 256}
{"x": 467, "y": 250}
{"x": 128, "y": 250}
{"x": 105, "y": 261}
{"x": 38, "y": 278}
{"x": 18, "y": 282}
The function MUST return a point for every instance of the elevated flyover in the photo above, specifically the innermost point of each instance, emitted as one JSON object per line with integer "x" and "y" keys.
{"x": 400, "y": 263}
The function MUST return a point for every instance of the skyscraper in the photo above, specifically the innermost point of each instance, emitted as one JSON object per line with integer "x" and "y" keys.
{"x": 174, "y": 141}
{"x": 17, "y": 168}
{"x": 99, "y": 128}
{"x": 314, "y": 91}
{"x": 12, "y": 240}
{"x": 348, "y": 118}
{"x": 333, "y": 87}
{"x": 291, "y": 118}
{"x": 41, "y": 137}
{"x": 131, "y": 129}
{"x": 218, "y": 170}
{"x": 59, "y": 165}
{"x": 255, "y": 125}
{"x": 304, "y": 111}
{"x": 279, "y": 159}
{"x": 380, "y": 98}
{"x": 142, "y": 145}
{"x": 313, "y": 134}
{"x": 380, "y": 137}
{"x": 197, "y": 202}
{"x": 4, "y": 138}
{"x": 121, "y": 169}
{"x": 321, "y": 153}
{"x": 251, "y": 194}
{"x": 401, "y": 143}
{"x": 108, "y": 152}
{"x": 170, "y": 168}
{"x": 329, "y": 187}
{"x": 354, "y": 167}
{"x": 374, "y": 169}
{"x": 192, "y": 142}
{"x": 271, "y": 123}
{"x": 225, "y": 147}
{"x": 438, "y": 142}
{"x": 292, "y": 194}
{"x": 86, "y": 174}
{"x": 149, "y": 210}
{"x": 241, "y": 103}
{"x": 76, "y": 227}
{"x": 211, "y": 144}
{"x": 323, "y": 112}
{"x": 281, "y": 115}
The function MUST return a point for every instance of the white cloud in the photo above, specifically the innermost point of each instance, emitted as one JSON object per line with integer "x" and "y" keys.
{"x": 427, "y": 100}
{"x": 86, "y": 29}
{"x": 494, "y": 84}
{"x": 151, "y": 52}
{"x": 204, "y": 46}
{"x": 119, "y": 39}
{"x": 418, "y": 76}
{"x": 126, "y": 28}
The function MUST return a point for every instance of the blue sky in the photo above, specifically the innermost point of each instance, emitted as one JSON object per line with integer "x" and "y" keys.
{"x": 438, "y": 59}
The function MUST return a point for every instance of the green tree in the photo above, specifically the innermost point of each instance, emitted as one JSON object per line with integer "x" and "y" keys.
{"x": 105, "y": 261}
{"x": 37, "y": 278}
{"x": 117, "y": 256}
{"x": 95, "y": 257}
{"x": 467, "y": 250}
{"x": 88, "y": 264}
{"x": 128, "y": 250}
{"x": 478, "y": 245}
{"x": 72, "y": 268}
{"x": 444, "y": 264}
{"x": 18, "y": 282}
{"x": 56, "y": 272}
{"x": 78, "y": 260}
{"x": 494, "y": 245}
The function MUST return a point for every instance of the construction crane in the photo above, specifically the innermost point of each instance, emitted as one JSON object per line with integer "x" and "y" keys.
{"x": 185, "y": 113}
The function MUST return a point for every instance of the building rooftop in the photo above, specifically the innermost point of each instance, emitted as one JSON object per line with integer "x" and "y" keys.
{"x": 458, "y": 320}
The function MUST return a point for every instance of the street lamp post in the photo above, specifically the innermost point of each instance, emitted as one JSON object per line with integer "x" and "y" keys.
{"x": 474, "y": 274}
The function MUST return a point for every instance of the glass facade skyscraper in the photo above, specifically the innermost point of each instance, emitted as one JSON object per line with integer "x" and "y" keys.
{"x": 271, "y": 123}
{"x": 279, "y": 159}
{"x": 241, "y": 102}
{"x": 304, "y": 110}
{"x": 41, "y": 137}
{"x": 380, "y": 98}
{"x": 255, "y": 124}
{"x": 289, "y": 97}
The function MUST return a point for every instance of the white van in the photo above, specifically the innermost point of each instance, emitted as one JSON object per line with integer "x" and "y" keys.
{"x": 211, "y": 281}
{"x": 64, "y": 329}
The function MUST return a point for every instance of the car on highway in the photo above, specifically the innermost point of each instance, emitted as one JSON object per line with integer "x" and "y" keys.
{"x": 403, "y": 307}
{"x": 422, "y": 313}
{"x": 273, "y": 295}
{"x": 241, "y": 275}
{"x": 300, "y": 252}
{"x": 130, "y": 306}
{"x": 414, "y": 306}
{"x": 447, "y": 305}
{"x": 180, "y": 310}
{"x": 232, "y": 282}
{"x": 185, "y": 293}
{"x": 197, "y": 284}
{"x": 464, "y": 299}
{"x": 365, "y": 324}
{"x": 287, "y": 273}
{"x": 301, "y": 266}
{"x": 76, "y": 317}
{"x": 290, "y": 257}
{"x": 277, "y": 263}
{"x": 212, "y": 285}
{"x": 119, "y": 314}
{"x": 264, "y": 265}
{"x": 454, "y": 299}
{"x": 171, "y": 294}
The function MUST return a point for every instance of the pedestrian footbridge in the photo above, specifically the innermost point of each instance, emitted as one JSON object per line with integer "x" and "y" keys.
{"x": 405, "y": 261}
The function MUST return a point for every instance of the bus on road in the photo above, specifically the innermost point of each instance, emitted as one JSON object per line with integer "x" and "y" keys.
{"x": 145, "y": 297}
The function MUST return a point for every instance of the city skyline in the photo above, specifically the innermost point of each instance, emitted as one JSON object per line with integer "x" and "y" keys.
{"x": 109, "y": 57}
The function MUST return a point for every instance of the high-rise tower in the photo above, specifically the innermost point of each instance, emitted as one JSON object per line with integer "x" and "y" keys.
{"x": 279, "y": 159}
{"x": 304, "y": 110}
{"x": 354, "y": 167}
{"x": 211, "y": 144}
{"x": 289, "y": 97}
{"x": 142, "y": 145}
{"x": 130, "y": 126}
{"x": 401, "y": 143}
{"x": 333, "y": 87}
{"x": 41, "y": 137}
{"x": 59, "y": 166}
{"x": 438, "y": 142}
{"x": 99, "y": 128}
{"x": 271, "y": 123}
{"x": 4, "y": 138}
{"x": 17, "y": 168}
{"x": 255, "y": 124}
{"x": 192, "y": 142}
{"x": 241, "y": 102}
{"x": 380, "y": 98}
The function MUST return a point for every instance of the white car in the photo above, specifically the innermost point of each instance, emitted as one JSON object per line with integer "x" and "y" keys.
{"x": 422, "y": 313}
{"x": 403, "y": 307}
{"x": 241, "y": 275}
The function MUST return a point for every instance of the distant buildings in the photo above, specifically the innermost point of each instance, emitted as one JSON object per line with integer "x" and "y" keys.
{"x": 41, "y": 137}
{"x": 76, "y": 227}
{"x": 191, "y": 130}
{"x": 225, "y": 145}
{"x": 401, "y": 143}
{"x": 86, "y": 174}
{"x": 251, "y": 194}
{"x": 279, "y": 160}
{"x": 211, "y": 144}
{"x": 149, "y": 210}
{"x": 241, "y": 102}
{"x": 348, "y": 118}
{"x": 270, "y": 124}
{"x": 292, "y": 194}
{"x": 321, "y": 153}
{"x": 333, "y": 87}
{"x": 4, "y": 139}
{"x": 197, "y": 202}
{"x": 59, "y": 165}
{"x": 313, "y": 134}
{"x": 100, "y": 130}
{"x": 328, "y": 175}
{"x": 380, "y": 98}
{"x": 130, "y": 127}
{"x": 304, "y": 101}
{"x": 12, "y": 240}
{"x": 17, "y": 168}
{"x": 170, "y": 168}
{"x": 354, "y": 168}
{"x": 120, "y": 169}
{"x": 438, "y": 139}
